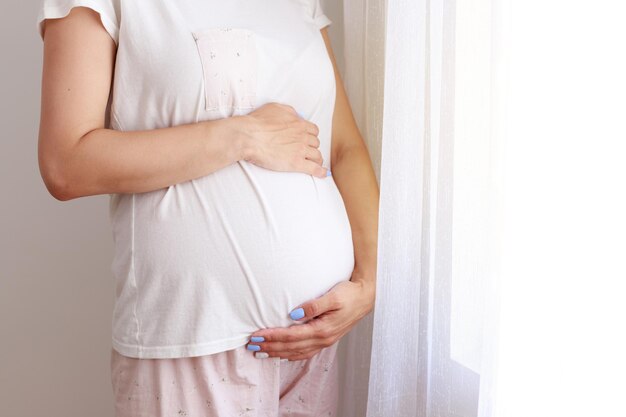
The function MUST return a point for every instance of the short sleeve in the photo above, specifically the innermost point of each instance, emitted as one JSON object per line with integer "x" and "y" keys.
{"x": 319, "y": 17}
{"x": 108, "y": 10}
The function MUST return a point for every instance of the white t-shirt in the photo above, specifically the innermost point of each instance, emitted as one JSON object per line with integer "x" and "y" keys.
{"x": 202, "y": 264}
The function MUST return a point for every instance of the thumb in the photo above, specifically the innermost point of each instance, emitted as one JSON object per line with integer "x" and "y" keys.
{"x": 314, "y": 308}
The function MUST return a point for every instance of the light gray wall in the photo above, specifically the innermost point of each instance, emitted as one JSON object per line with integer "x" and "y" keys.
{"x": 56, "y": 288}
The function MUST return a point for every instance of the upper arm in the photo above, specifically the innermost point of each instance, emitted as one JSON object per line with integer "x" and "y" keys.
{"x": 78, "y": 62}
{"x": 345, "y": 132}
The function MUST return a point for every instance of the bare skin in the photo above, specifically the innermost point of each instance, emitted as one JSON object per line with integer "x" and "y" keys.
{"x": 79, "y": 157}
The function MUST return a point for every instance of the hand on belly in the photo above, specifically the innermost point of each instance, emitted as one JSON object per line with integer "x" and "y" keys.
{"x": 327, "y": 319}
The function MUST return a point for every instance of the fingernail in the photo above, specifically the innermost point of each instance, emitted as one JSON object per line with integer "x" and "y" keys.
{"x": 328, "y": 174}
{"x": 300, "y": 114}
{"x": 261, "y": 355}
{"x": 254, "y": 347}
{"x": 296, "y": 314}
{"x": 257, "y": 339}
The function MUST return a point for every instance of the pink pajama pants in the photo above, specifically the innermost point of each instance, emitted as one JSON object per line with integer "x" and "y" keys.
{"x": 227, "y": 384}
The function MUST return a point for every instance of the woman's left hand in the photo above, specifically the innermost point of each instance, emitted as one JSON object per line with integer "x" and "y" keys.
{"x": 328, "y": 317}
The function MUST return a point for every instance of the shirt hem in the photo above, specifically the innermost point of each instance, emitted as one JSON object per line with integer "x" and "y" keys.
{"x": 177, "y": 351}
{"x": 321, "y": 21}
{"x": 62, "y": 10}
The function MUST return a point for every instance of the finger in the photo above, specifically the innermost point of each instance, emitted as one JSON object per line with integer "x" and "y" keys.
{"x": 311, "y": 128}
{"x": 323, "y": 328}
{"x": 312, "y": 140}
{"x": 303, "y": 345}
{"x": 312, "y": 168}
{"x": 300, "y": 127}
{"x": 293, "y": 333}
{"x": 313, "y": 154}
{"x": 291, "y": 355}
{"x": 287, "y": 107}
{"x": 317, "y": 306}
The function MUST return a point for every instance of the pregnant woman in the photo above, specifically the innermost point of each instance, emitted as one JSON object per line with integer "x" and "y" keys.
{"x": 240, "y": 260}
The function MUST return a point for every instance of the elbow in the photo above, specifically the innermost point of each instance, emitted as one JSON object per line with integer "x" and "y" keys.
{"x": 61, "y": 193}
{"x": 55, "y": 179}
{"x": 57, "y": 186}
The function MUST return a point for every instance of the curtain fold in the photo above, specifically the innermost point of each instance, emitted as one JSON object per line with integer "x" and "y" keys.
{"x": 394, "y": 380}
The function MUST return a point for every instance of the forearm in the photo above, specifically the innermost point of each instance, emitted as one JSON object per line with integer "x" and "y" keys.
{"x": 108, "y": 161}
{"x": 355, "y": 178}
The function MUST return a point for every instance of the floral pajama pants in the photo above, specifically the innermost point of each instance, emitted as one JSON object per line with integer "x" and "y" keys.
{"x": 227, "y": 384}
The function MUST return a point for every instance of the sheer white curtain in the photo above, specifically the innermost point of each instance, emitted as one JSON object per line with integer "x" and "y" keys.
{"x": 496, "y": 129}
{"x": 433, "y": 131}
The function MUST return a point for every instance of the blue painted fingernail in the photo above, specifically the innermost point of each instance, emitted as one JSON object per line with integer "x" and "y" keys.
{"x": 254, "y": 347}
{"x": 328, "y": 173}
{"x": 296, "y": 314}
{"x": 257, "y": 339}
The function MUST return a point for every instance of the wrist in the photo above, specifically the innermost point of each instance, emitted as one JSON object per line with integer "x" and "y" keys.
{"x": 231, "y": 132}
{"x": 367, "y": 282}
{"x": 242, "y": 139}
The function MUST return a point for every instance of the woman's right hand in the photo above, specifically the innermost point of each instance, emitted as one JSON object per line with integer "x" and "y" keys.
{"x": 277, "y": 138}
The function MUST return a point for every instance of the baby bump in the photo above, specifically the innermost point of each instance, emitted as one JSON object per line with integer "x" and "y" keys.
{"x": 274, "y": 239}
